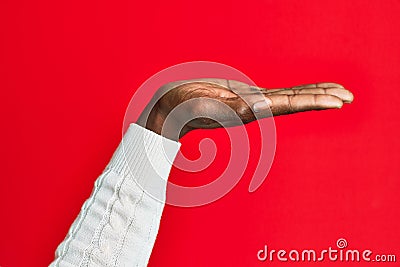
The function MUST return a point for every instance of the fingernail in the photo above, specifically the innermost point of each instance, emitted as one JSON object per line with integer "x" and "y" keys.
{"x": 262, "y": 105}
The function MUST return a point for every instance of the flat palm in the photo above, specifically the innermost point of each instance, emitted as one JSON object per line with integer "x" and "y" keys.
{"x": 212, "y": 103}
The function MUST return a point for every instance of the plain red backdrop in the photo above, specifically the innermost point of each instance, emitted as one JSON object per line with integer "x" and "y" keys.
{"x": 69, "y": 68}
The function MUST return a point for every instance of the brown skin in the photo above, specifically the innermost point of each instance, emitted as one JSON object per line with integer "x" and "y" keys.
{"x": 208, "y": 94}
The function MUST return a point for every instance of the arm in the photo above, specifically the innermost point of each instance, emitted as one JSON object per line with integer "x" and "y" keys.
{"x": 118, "y": 224}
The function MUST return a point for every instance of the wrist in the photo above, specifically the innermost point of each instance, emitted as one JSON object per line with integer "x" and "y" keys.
{"x": 151, "y": 121}
{"x": 156, "y": 122}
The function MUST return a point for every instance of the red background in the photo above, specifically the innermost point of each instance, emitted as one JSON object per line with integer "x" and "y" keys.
{"x": 69, "y": 68}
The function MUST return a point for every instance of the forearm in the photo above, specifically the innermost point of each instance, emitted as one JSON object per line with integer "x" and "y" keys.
{"x": 119, "y": 222}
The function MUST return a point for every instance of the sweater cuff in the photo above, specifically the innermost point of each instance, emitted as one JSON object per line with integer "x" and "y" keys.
{"x": 147, "y": 157}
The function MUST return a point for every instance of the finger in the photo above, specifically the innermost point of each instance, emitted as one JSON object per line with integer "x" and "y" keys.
{"x": 254, "y": 107}
{"x": 303, "y": 86}
{"x": 345, "y": 95}
{"x": 288, "y": 104}
{"x": 318, "y": 85}
{"x": 334, "y": 89}
{"x": 323, "y": 85}
{"x": 248, "y": 107}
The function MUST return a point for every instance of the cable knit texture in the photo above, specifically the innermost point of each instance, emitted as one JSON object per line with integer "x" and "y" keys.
{"x": 118, "y": 223}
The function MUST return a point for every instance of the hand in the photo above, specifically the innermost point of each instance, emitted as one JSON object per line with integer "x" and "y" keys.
{"x": 182, "y": 106}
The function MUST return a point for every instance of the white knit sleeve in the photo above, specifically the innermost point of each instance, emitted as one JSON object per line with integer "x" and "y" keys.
{"x": 118, "y": 223}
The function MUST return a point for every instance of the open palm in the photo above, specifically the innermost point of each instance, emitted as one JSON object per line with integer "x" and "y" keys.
{"x": 182, "y": 106}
